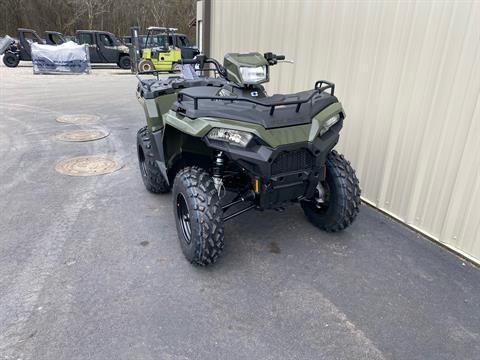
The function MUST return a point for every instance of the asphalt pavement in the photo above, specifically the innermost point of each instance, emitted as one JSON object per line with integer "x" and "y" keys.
{"x": 91, "y": 268}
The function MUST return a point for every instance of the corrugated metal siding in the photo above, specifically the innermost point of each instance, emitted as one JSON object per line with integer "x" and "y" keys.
{"x": 408, "y": 75}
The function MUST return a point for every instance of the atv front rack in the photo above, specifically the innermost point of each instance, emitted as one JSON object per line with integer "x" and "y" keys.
{"x": 321, "y": 86}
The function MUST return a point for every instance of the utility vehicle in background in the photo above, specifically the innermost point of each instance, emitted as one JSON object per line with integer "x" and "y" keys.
{"x": 104, "y": 47}
{"x": 162, "y": 48}
{"x": 54, "y": 38}
{"x": 223, "y": 147}
{"x": 188, "y": 50}
{"x": 16, "y": 50}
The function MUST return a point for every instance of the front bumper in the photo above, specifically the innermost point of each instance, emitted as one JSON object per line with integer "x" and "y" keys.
{"x": 287, "y": 172}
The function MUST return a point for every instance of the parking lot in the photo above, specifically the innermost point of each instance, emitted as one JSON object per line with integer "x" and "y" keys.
{"x": 91, "y": 267}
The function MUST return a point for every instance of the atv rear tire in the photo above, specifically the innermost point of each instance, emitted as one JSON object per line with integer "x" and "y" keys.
{"x": 11, "y": 60}
{"x": 151, "y": 175}
{"x": 124, "y": 62}
{"x": 145, "y": 65}
{"x": 342, "y": 196}
{"x": 198, "y": 215}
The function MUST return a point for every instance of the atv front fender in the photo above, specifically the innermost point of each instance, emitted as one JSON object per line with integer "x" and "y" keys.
{"x": 200, "y": 127}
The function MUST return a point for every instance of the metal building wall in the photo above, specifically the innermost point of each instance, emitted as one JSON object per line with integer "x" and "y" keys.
{"x": 408, "y": 75}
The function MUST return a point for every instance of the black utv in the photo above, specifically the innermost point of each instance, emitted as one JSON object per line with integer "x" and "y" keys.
{"x": 16, "y": 50}
{"x": 104, "y": 47}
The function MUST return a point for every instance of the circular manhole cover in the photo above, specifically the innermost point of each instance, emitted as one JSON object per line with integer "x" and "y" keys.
{"x": 87, "y": 165}
{"x": 78, "y": 119}
{"x": 82, "y": 135}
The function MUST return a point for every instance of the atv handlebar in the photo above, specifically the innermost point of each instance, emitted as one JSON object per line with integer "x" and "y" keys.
{"x": 272, "y": 58}
{"x": 202, "y": 60}
{"x": 188, "y": 61}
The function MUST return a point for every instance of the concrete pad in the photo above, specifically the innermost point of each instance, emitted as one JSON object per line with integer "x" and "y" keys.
{"x": 91, "y": 267}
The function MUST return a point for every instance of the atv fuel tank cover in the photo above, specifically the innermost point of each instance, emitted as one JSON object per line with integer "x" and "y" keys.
{"x": 77, "y": 119}
{"x": 89, "y": 165}
{"x": 82, "y": 135}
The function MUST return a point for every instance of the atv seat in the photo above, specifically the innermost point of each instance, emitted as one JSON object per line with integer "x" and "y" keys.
{"x": 270, "y": 112}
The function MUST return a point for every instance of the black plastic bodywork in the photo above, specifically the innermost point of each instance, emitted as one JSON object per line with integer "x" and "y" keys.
{"x": 287, "y": 172}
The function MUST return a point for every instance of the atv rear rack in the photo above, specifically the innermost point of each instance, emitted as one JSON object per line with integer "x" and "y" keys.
{"x": 321, "y": 86}
{"x": 157, "y": 73}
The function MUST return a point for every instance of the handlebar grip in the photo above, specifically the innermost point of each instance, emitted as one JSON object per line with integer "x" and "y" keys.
{"x": 280, "y": 57}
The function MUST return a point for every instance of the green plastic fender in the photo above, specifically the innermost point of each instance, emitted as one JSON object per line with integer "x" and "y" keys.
{"x": 200, "y": 127}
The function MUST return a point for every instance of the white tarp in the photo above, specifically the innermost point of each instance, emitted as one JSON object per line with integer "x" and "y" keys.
{"x": 67, "y": 58}
{"x": 5, "y": 43}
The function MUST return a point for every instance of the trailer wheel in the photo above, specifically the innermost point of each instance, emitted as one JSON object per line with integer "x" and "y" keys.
{"x": 124, "y": 62}
{"x": 341, "y": 202}
{"x": 11, "y": 60}
{"x": 145, "y": 65}
{"x": 198, "y": 215}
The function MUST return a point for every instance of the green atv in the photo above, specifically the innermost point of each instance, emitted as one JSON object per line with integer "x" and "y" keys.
{"x": 223, "y": 147}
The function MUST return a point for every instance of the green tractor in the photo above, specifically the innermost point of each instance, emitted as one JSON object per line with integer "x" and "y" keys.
{"x": 223, "y": 147}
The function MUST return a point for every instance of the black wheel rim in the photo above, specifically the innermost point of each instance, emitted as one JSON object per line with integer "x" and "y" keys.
{"x": 11, "y": 60}
{"x": 184, "y": 218}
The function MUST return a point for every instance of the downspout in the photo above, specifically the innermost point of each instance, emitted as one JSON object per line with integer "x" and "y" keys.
{"x": 207, "y": 10}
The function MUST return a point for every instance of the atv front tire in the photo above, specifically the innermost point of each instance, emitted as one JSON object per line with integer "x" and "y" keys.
{"x": 342, "y": 196}
{"x": 145, "y": 65}
{"x": 198, "y": 215}
{"x": 11, "y": 60}
{"x": 124, "y": 62}
{"x": 151, "y": 175}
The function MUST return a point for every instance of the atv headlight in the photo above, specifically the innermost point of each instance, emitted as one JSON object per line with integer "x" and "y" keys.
{"x": 253, "y": 75}
{"x": 234, "y": 137}
{"x": 329, "y": 123}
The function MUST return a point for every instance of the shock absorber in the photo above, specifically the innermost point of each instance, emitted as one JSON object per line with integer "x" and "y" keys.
{"x": 218, "y": 173}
